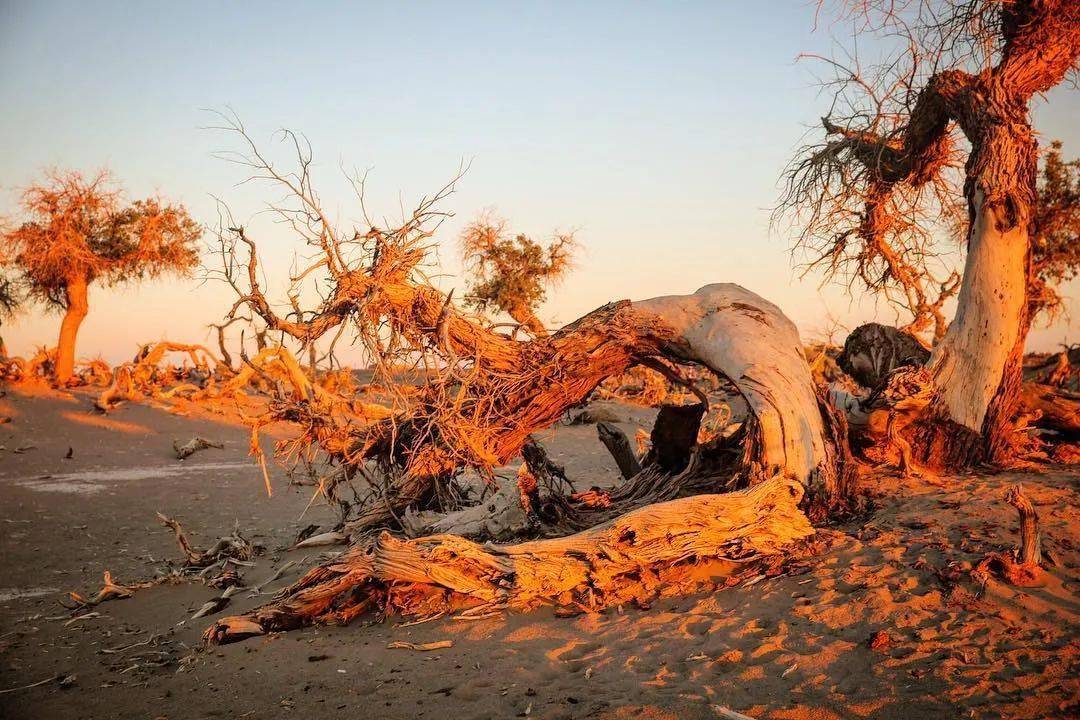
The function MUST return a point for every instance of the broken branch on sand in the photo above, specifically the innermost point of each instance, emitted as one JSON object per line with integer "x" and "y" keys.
{"x": 193, "y": 446}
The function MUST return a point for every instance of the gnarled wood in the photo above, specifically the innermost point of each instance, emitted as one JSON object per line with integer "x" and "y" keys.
{"x": 660, "y": 549}
{"x": 748, "y": 340}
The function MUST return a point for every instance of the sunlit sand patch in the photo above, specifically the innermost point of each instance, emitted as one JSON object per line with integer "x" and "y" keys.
{"x": 9, "y": 594}
{"x": 89, "y": 482}
{"x": 104, "y": 422}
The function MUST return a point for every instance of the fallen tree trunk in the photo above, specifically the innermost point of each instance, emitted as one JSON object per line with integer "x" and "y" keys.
{"x": 749, "y": 341}
{"x": 483, "y": 416}
{"x": 1055, "y": 409}
{"x": 662, "y": 549}
{"x": 792, "y": 442}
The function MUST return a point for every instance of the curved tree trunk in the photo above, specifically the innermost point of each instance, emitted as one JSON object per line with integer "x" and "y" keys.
{"x": 77, "y": 308}
{"x": 730, "y": 330}
{"x": 748, "y": 340}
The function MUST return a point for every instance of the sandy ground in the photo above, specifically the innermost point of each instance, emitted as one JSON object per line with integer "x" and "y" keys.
{"x": 787, "y": 647}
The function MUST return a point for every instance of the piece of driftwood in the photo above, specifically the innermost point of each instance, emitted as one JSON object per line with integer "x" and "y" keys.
{"x": 1030, "y": 550}
{"x": 231, "y": 547}
{"x": 618, "y": 445}
{"x": 1022, "y": 567}
{"x": 193, "y": 446}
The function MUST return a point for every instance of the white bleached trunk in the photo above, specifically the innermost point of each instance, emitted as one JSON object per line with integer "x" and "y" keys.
{"x": 750, "y": 341}
{"x": 969, "y": 364}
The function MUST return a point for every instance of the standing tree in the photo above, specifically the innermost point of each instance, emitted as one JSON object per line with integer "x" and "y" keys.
{"x": 79, "y": 232}
{"x": 9, "y": 303}
{"x": 511, "y": 274}
{"x": 1055, "y": 245}
{"x": 968, "y": 71}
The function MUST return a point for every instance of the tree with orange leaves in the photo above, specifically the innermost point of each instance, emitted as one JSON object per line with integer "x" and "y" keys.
{"x": 78, "y": 231}
{"x": 511, "y": 272}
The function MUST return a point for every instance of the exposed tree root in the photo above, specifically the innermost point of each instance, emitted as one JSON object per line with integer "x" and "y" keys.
{"x": 662, "y": 549}
{"x": 1023, "y": 567}
{"x": 229, "y": 548}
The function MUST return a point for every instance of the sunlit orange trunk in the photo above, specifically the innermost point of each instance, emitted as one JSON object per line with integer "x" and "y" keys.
{"x": 77, "y": 307}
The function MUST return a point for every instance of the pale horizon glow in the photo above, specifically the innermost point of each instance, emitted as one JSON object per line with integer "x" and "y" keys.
{"x": 658, "y": 133}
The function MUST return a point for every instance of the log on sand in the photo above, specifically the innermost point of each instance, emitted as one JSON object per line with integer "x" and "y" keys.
{"x": 662, "y": 549}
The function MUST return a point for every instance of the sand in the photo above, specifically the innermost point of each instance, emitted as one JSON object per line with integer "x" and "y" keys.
{"x": 791, "y": 647}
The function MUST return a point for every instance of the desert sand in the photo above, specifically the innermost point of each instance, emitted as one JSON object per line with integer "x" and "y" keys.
{"x": 887, "y": 621}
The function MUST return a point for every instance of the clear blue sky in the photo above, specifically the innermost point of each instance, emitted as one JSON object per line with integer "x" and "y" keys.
{"x": 657, "y": 130}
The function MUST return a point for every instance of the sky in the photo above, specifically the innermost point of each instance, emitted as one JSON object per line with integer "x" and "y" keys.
{"x": 657, "y": 132}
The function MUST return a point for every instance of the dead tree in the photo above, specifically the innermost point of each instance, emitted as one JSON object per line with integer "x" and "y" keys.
{"x": 483, "y": 395}
{"x": 145, "y": 376}
{"x": 661, "y": 550}
{"x": 866, "y": 194}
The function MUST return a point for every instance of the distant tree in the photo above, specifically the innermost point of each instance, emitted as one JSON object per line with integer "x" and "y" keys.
{"x": 511, "y": 273}
{"x": 1055, "y": 242}
{"x": 9, "y": 304}
{"x": 77, "y": 231}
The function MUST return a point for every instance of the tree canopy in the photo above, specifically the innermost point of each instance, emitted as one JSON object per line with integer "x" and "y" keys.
{"x": 79, "y": 227}
{"x": 1055, "y": 244}
{"x": 509, "y": 272}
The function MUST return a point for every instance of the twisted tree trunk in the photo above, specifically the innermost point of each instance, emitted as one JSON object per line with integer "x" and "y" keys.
{"x": 792, "y": 445}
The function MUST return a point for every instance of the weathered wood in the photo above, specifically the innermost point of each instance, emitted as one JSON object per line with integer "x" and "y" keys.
{"x": 1030, "y": 551}
{"x": 1057, "y": 410}
{"x": 618, "y": 445}
{"x": 666, "y": 548}
{"x": 748, "y": 340}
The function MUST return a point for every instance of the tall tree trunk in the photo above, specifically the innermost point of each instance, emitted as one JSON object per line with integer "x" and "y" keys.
{"x": 524, "y": 315}
{"x": 77, "y": 307}
{"x": 977, "y": 365}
